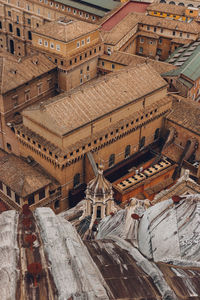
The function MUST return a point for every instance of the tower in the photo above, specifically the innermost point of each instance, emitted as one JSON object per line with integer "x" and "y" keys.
{"x": 99, "y": 198}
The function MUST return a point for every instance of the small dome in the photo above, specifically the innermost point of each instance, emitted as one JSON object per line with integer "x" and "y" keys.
{"x": 99, "y": 186}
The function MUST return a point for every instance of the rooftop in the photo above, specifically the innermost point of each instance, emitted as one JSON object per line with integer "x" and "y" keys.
{"x": 15, "y": 72}
{"x": 187, "y": 60}
{"x": 185, "y": 113}
{"x": 98, "y": 8}
{"x": 95, "y": 100}
{"x": 65, "y": 29}
{"x": 22, "y": 178}
{"x": 167, "y": 8}
{"x": 133, "y": 60}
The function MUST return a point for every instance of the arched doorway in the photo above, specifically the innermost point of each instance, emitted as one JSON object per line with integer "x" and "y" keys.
{"x": 12, "y": 49}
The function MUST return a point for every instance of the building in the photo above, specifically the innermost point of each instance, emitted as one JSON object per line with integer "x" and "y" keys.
{"x": 123, "y": 108}
{"x": 21, "y": 183}
{"x": 23, "y": 82}
{"x": 118, "y": 60}
{"x": 186, "y": 77}
{"x": 186, "y": 3}
{"x": 149, "y": 36}
{"x": 183, "y": 148}
{"x": 19, "y": 18}
{"x": 74, "y": 46}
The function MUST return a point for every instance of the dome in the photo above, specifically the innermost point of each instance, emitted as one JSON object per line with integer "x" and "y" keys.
{"x": 99, "y": 186}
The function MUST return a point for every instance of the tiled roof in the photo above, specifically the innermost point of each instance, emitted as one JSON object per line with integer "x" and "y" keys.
{"x": 167, "y": 8}
{"x": 128, "y": 59}
{"x": 187, "y": 59}
{"x": 66, "y": 29}
{"x": 14, "y": 73}
{"x": 22, "y": 178}
{"x": 186, "y": 112}
{"x": 92, "y": 101}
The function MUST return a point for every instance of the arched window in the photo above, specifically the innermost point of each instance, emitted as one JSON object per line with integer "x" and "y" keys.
{"x": 99, "y": 212}
{"x": 172, "y": 2}
{"x": 77, "y": 178}
{"x": 190, "y": 5}
{"x": 181, "y": 4}
{"x": 29, "y": 35}
{"x": 127, "y": 151}
{"x": 18, "y": 31}
{"x": 142, "y": 142}
{"x": 10, "y": 27}
{"x": 162, "y": 1}
{"x": 111, "y": 160}
{"x": 156, "y": 134}
{"x": 57, "y": 204}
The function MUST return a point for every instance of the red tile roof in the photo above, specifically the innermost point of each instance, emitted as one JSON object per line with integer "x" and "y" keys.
{"x": 133, "y": 6}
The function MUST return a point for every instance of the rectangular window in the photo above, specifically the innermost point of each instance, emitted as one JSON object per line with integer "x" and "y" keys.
{"x": 49, "y": 15}
{"x": 39, "y": 89}
{"x": 58, "y": 47}
{"x": 40, "y": 41}
{"x": 88, "y": 40}
{"x": 160, "y": 40}
{"x": 9, "y": 13}
{"x": 63, "y": 8}
{"x": 113, "y": 66}
{"x": 81, "y": 80}
{"x": 51, "y": 3}
{"x": 27, "y": 6}
{"x": 74, "y": 11}
{"x": 29, "y": 21}
{"x": 69, "y": 9}
{"x": 17, "y": 19}
{"x": 87, "y": 16}
{"x": 154, "y": 29}
{"x": 159, "y": 51}
{"x": 31, "y": 199}
{"x": 140, "y": 50}
{"x": 174, "y": 33}
{"x": 161, "y": 30}
{"x": 8, "y": 191}
{"x": 15, "y": 100}
{"x": 57, "y": 5}
{"x": 188, "y": 35}
{"x": 83, "y": 42}
{"x": 148, "y": 27}
{"x": 141, "y": 40}
{"x": 41, "y": 194}
{"x": 38, "y": 11}
{"x": 45, "y": 43}
{"x": 52, "y": 45}
{"x": 78, "y": 44}
{"x": 181, "y": 34}
{"x": 80, "y": 13}
{"x": 27, "y": 95}
{"x": 150, "y": 42}
{"x": 102, "y": 63}
{"x": 1, "y": 185}
{"x": 17, "y": 199}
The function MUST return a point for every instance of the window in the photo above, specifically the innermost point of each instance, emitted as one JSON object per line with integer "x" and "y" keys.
{"x": 38, "y": 11}
{"x": 148, "y": 27}
{"x": 9, "y": 13}
{"x": 181, "y": 34}
{"x": 87, "y": 16}
{"x": 174, "y": 33}
{"x": 27, "y": 95}
{"x": 81, "y": 80}
{"x": 161, "y": 30}
{"x": 27, "y": 6}
{"x": 113, "y": 66}
{"x": 142, "y": 142}
{"x": 51, "y": 3}
{"x": 102, "y": 63}
{"x": 40, "y": 42}
{"x": 9, "y": 147}
{"x": 69, "y": 9}
{"x": 55, "y": 60}
{"x": 81, "y": 71}
{"x": 0, "y": 25}
{"x": 88, "y": 68}
{"x": 10, "y": 27}
{"x": 29, "y": 21}
{"x": 41, "y": 194}
{"x": 58, "y": 47}
{"x": 141, "y": 40}
{"x": 70, "y": 62}
{"x": 188, "y": 35}
{"x": 111, "y": 161}
{"x": 1, "y": 185}
{"x": 156, "y": 134}
{"x": 63, "y": 7}
{"x": 57, "y": 204}
{"x": 88, "y": 40}
{"x": 78, "y": 44}
{"x": 61, "y": 62}
{"x": 31, "y": 199}
{"x": 160, "y": 40}
{"x": 83, "y": 42}
{"x": 154, "y": 29}
{"x": 17, "y": 19}
{"x": 52, "y": 45}
{"x": 15, "y": 100}
{"x": 88, "y": 77}
{"x": 49, "y": 15}
{"x": 57, "y": 5}
{"x": 150, "y": 42}
{"x": 75, "y": 60}
{"x": 17, "y": 199}
{"x": 8, "y": 191}
{"x": 80, "y": 13}
{"x": 159, "y": 51}
{"x": 140, "y": 50}
{"x": 127, "y": 151}
{"x": 95, "y": 50}
{"x": 77, "y": 179}
{"x": 80, "y": 57}
{"x": 74, "y": 11}
{"x": 98, "y": 212}
{"x": 39, "y": 89}
{"x": 93, "y": 18}
{"x": 29, "y": 35}
{"x": 18, "y": 31}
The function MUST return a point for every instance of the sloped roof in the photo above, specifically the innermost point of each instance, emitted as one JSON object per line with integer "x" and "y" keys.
{"x": 133, "y": 60}
{"x": 14, "y": 73}
{"x": 66, "y": 29}
{"x": 22, "y": 178}
{"x": 94, "y": 100}
{"x": 187, "y": 59}
{"x": 99, "y": 8}
{"x": 167, "y": 8}
{"x": 185, "y": 112}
